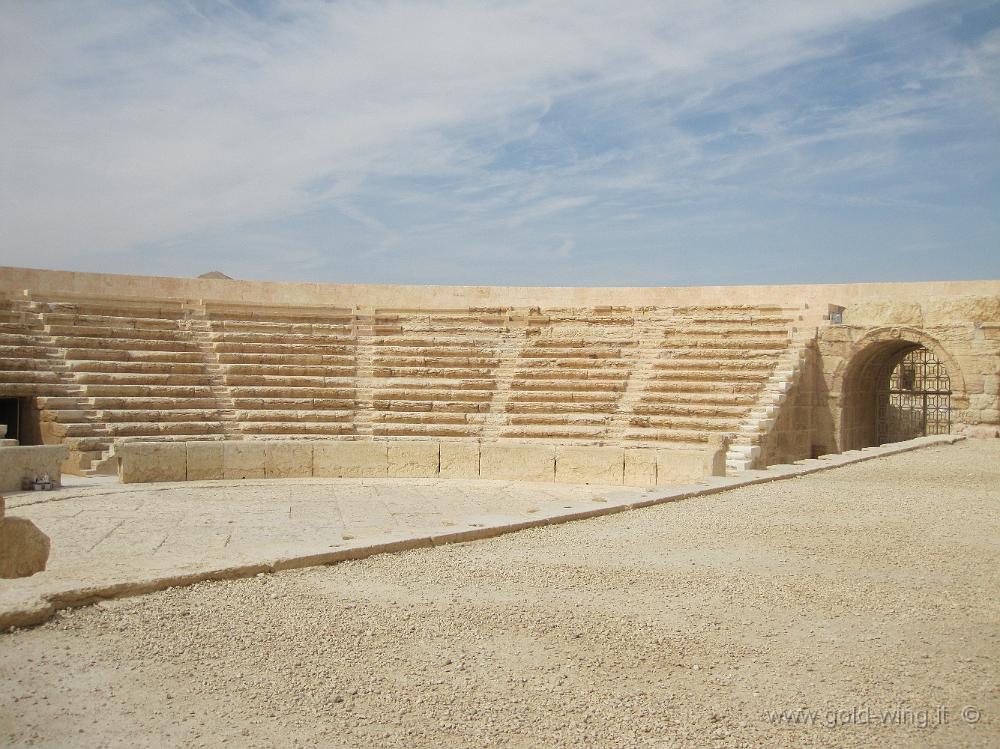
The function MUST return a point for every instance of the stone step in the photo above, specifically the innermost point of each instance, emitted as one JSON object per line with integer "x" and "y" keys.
{"x": 150, "y": 416}
{"x": 283, "y": 428}
{"x": 563, "y": 386}
{"x": 329, "y": 348}
{"x": 563, "y": 406}
{"x": 116, "y": 323}
{"x": 341, "y": 329}
{"x": 229, "y": 340}
{"x": 424, "y": 372}
{"x": 294, "y": 404}
{"x": 553, "y": 431}
{"x": 291, "y": 391}
{"x": 482, "y": 363}
{"x": 425, "y": 430}
{"x": 444, "y": 406}
{"x": 275, "y": 381}
{"x": 138, "y": 367}
{"x": 123, "y": 344}
{"x": 292, "y": 415}
{"x": 11, "y": 377}
{"x": 434, "y": 417}
{"x": 424, "y": 394}
{"x": 296, "y": 360}
{"x": 110, "y": 355}
{"x": 154, "y": 402}
{"x": 142, "y": 378}
{"x": 709, "y": 423}
{"x": 148, "y": 391}
{"x": 115, "y": 333}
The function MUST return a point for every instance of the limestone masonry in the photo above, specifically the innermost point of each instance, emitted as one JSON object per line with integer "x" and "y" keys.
{"x": 633, "y": 386}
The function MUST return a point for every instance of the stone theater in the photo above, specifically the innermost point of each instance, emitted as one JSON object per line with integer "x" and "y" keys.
{"x": 182, "y": 379}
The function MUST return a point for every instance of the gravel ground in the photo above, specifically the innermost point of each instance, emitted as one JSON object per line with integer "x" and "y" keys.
{"x": 863, "y": 601}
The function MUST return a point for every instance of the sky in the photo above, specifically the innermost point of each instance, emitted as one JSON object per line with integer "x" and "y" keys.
{"x": 548, "y": 142}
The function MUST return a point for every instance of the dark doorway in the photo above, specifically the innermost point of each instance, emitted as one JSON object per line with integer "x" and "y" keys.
{"x": 10, "y": 414}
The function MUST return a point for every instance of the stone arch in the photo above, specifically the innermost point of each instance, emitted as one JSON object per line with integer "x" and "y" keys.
{"x": 871, "y": 359}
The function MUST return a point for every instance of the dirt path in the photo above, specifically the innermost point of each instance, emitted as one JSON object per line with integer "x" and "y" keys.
{"x": 866, "y": 597}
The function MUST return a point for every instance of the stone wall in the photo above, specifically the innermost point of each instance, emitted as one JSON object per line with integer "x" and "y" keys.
{"x": 412, "y": 458}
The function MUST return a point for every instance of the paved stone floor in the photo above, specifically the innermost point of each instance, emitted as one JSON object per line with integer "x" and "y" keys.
{"x": 110, "y": 539}
{"x": 104, "y": 533}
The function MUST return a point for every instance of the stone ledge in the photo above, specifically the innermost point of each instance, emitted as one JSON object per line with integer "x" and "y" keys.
{"x": 155, "y": 462}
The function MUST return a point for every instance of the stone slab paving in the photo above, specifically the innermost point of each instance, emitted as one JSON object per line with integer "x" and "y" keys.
{"x": 110, "y": 540}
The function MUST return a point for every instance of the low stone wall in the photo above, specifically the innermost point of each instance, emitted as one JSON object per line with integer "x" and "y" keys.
{"x": 144, "y": 462}
{"x": 18, "y": 463}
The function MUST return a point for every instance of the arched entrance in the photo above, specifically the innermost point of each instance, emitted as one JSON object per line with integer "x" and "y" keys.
{"x": 898, "y": 385}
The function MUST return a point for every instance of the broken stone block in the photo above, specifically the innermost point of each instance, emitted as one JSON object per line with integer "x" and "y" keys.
{"x": 24, "y": 549}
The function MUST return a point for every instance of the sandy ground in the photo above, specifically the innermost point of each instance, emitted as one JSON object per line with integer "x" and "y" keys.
{"x": 855, "y": 607}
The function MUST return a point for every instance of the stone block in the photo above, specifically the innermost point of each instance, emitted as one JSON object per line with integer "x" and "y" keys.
{"x": 459, "y": 460}
{"x": 679, "y": 466}
{"x": 243, "y": 460}
{"x": 715, "y": 455}
{"x": 517, "y": 462}
{"x": 145, "y": 462}
{"x": 350, "y": 459}
{"x": 288, "y": 459}
{"x": 413, "y": 458}
{"x": 590, "y": 465}
{"x": 24, "y": 549}
{"x": 18, "y": 463}
{"x": 640, "y": 466}
{"x": 204, "y": 461}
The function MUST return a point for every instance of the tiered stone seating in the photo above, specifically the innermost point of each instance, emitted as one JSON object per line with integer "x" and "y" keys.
{"x": 433, "y": 371}
{"x": 570, "y": 377}
{"x": 25, "y": 364}
{"x": 712, "y": 365}
{"x": 139, "y": 373}
{"x": 289, "y": 371}
{"x": 106, "y": 369}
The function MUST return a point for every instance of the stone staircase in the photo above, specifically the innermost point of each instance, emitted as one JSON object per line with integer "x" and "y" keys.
{"x": 745, "y": 448}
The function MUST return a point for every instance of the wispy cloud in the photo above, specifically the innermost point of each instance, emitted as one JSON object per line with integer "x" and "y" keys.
{"x": 631, "y": 137}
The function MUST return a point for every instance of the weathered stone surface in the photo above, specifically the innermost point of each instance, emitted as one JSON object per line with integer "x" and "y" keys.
{"x": 679, "y": 466}
{"x": 590, "y": 465}
{"x": 143, "y": 462}
{"x": 715, "y": 455}
{"x": 288, "y": 459}
{"x": 982, "y": 431}
{"x": 204, "y": 461}
{"x": 963, "y": 309}
{"x": 640, "y": 467}
{"x": 517, "y": 462}
{"x": 24, "y": 549}
{"x": 243, "y": 460}
{"x": 351, "y": 459}
{"x": 884, "y": 312}
{"x": 459, "y": 460}
{"x": 413, "y": 459}
{"x": 18, "y": 463}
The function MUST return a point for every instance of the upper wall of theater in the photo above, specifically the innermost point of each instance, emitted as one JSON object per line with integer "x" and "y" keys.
{"x": 896, "y": 297}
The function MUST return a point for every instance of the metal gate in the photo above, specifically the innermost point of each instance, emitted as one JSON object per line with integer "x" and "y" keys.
{"x": 914, "y": 399}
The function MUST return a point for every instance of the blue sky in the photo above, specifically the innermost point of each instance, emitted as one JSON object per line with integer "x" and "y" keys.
{"x": 537, "y": 143}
